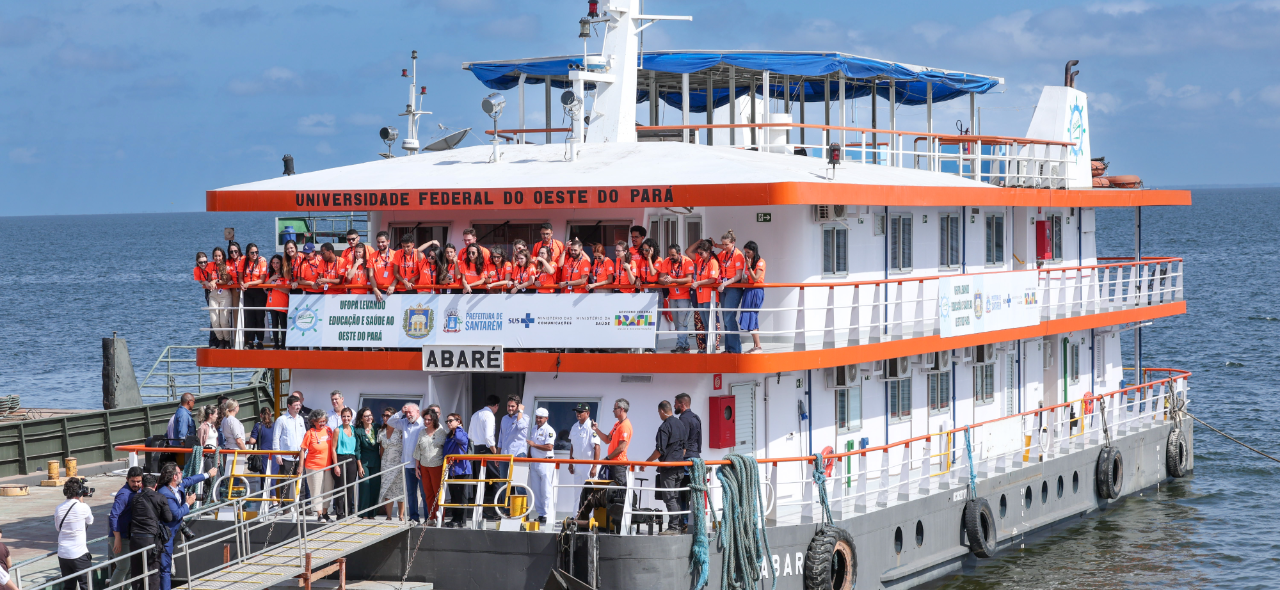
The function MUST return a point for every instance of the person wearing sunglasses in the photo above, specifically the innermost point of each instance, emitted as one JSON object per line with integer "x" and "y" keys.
{"x": 203, "y": 276}
{"x": 353, "y": 244}
{"x": 252, "y": 275}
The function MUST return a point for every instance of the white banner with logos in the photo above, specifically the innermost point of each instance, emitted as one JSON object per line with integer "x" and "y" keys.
{"x": 541, "y": 320}
{"x": 970, "y": 304}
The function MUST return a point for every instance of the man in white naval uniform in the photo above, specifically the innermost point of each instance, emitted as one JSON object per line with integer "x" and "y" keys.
{"x": 585, "y": 446}
{"x": 542, "y": 445}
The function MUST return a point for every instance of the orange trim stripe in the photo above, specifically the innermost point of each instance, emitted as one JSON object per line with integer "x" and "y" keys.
{"x": 543, "y": 362}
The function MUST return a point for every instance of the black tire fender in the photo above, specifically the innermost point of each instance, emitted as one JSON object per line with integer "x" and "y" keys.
{"x": 980, "y": 527}
{"x": 1110, "y": 473}
{"x": 831, "y": 563}
{"x": 1177, "y": 461}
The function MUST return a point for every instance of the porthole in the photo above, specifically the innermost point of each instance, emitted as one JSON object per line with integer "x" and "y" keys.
{"x": 1044, "y": 492}
{"x": 897, "y": 540}
{"x": 1061, "y": 487}
{"x": 919, "y": 533}
{"x": 1026, "y": 498}
{"x": 1004, "y": 505}
{"x": 1075, "y": 482}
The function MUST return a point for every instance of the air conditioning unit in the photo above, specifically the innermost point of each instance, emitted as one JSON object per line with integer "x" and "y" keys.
{"x": 938, "y": 361}
{"x": 922, "y": 359}
{"x": 897, "y": 368}
{"x": 829, "y": 212}
{"x": 984, "y": 353}
{"x": 877, "y": 368}
{"x": 966, "y": 354}
{"x": 840, "y": 377}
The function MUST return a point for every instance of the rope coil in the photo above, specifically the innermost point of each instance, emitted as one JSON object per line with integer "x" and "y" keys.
{"x": 744, "y": 542}
{"x": 699, "y": 550}
{"x": 820, "y": 480}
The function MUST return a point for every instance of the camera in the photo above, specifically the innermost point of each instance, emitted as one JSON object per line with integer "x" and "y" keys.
{"x": 85, "y": 490}
{"x": 186, "y": 532}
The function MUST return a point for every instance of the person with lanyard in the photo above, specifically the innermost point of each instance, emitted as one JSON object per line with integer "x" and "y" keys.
{"x": 483, "y": 435}
{"x": 409, "y": 422}
{"x": 601, "y": 270}
{"x": 354, "y": 245}
{"x": 202, "y": 276}
{"x": 235, "y": 259}
{"x": 405, "y": 265}
{"x": 173, "y": 487}
{"x": 317, "y": 444}
{"x": 647, "y": 266}
{"x": 286, "y": 435}
{"x": 384, "y": 281}
{"x": 346, "y": 466}
{"x": 499, "y": 271}
{"x": 522, "y": 274}
{"x": 307, "y": 273}
{"x": 359, "y": 274}
{"x": 370, "y": 462}
{"x": 578, "y": 269}
{"x": 584, "y": 445}
{"x": 753, "y": 297}
{"x": 447, "y": 269}
{"x": 149, "y": 514}
{"x": 669, "y": 448}
{"x": 252, "y": 276}
{"x": 555, "y": 248}
{"x": 223, "y": 278}
{"x": 391, "y": 448}
{"x": 638, "y": 234}
{"x": 118, "y": 523}
{"x": 618, "y": 438}
{"x": 676, "y": 273}
{"x": 624, "y": 268}
{"x": 546, "y": 272}
{"x": 428, "y": 269}
{"x": 692, "y": 442}
{"x": 469, "y": 239}
{"x": 429, "y": 455}
{"x": 732, "y": 264}
{"x": 472, "y": 269}
{"x": 260, "y": 437}
{"x": 542, "y": 445}
{"x": 707, "y": 270}
{"x": 278, "y": 300}
{"x": 293, "y": 258}
{"x": 330, "y": 270}
{"x": 456, "y": 442}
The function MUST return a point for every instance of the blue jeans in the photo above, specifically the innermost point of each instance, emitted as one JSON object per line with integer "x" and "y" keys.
{"x": 682, "y": 320}
{"x": 731, "y": 298}
{"x": 413, "y": 491}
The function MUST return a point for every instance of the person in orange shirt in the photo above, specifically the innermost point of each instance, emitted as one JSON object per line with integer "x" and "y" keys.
{"x": 753, "y": 297}
{"x": 469, "y": 238}
{"x": 384, "y": 280}
{"x": 601, "y": 270}
{"x": 638, "y": 234}
{"x": 308, "y": 271}
{"x": 448, "y": 271}
{"x": 253, "y": 272}
{"x": 406, "y": 264}
{"x": 545, "y": 271}
{"x": 499, "y": 271}
{"x": 647, "y": 266}
{"x": 318, "y": 444}
{"x": 517, "y": 247}
{"x": 578, "y": 270}
{"x": 624, "y": 268}
{"x": 676, "y": 273}
{"x": 201, "y": 275}
{"x": 429, "y": 267}
{"x": 353, "y": 244}
{"x": 332, "y": 268}
{"x": 707, "y": 275}
{"x": 222, "y": 282}
{"x": 618, "y": 439}
{"x": 473, "y": 269}
{"x": 277, "y": 300}
{"x": 554, "y": 246}
{"x": 293, "y": 261}
{"x": 358, "y": 274}
{"x": 732, "y": 267}
{"x": 235, "y": 260}
{"x": 522, "y": 273}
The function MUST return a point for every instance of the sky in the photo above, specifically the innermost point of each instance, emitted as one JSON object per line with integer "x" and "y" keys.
{"x": 115, "y": 106}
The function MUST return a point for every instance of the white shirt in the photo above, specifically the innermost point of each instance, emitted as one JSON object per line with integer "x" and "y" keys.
{"x": 232, "y": 429}
{"x": 544, "y": 435}
{"x": 4, "y": 577}
{"x": 514, "y": 438}
{"x": 410, "y": 431}
{"x": 287, "y": 433}
{"x": 71, "y": 537}
{"x": 584, "y": 440}
{"x": 481, "y": 430}
{"x": 334, "y": 419}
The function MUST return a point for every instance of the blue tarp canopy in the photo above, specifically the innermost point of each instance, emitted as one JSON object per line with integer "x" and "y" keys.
{"x": 860, "y": 73}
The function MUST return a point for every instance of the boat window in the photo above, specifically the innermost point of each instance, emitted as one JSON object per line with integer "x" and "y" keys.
{"x": 421, "y": 234}
{"x": 562, "y": 417}
{"x": 501, "y": 235}
{"x": 984, "y": 383}
{"x": 900, "y": 400}
{"x": 835, "y": 249}
{"x": 600, "y": 232}
{"x": 1055, "y": 239}
{"x": 900, "y": 242}
{"x": 949, "y": 250}
{"x": 692, "y": 230}
{"x": 939, "y": 392}
{"x": 995, "y": 240}
{"x": 849, "y": 409}
{"x": 1074, "y": 357}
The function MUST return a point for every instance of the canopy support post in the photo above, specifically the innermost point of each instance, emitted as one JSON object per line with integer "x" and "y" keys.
{"x": 895, "y": 141}
{"x": 690, "y": 135}
{"x": 826, "y": 119}
{"x": 733, "y": 104}
{"x": 934, "y": 148}
{"x": 875, "y": 137}
{"x": 520, "y": 139}
{"x": 546, "y": 81}
{"x": 755, "y": 117}
{"x": 766, "y": 137}
{"x": 973, "y": 128}
{"x": 711, "y": 108}
{"x": 842, "y": 111}
{"x": 786, "y": 101}
{"x": 803, "y": 89}
{"x": 653, "y": 98}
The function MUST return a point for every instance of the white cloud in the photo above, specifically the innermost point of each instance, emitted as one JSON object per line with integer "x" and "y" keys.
{"x": 364, "y": 119}
{"x": 1270, "y": 95}
{"x": 23, "y": 155}
{"x": 1119, "y": 8}
{"x": 1235, "y": 97}
{"x": 324, "y": 148}
{"x": 322, "y": 124}
{"x": 272, "y": 80}
{"x": 931, "y": 31}
{"x": 1104, "y": 102}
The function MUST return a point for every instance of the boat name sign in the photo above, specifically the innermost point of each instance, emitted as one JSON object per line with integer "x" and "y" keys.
{"x": 471, "y": 359}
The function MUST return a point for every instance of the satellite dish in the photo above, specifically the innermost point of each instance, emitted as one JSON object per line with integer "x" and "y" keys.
{"x": 447, "y": 142}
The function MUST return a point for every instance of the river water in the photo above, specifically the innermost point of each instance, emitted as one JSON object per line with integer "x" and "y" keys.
{"x": 67, "y": 281}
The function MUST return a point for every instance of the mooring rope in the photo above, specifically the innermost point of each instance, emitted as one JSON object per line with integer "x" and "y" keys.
{"x": 743, "y": 540}
{"x": 700, "y": 550}
{"x": 820, "y": 480}
{"x": 1229, "y": 437}
{"x": 973, "y": 477}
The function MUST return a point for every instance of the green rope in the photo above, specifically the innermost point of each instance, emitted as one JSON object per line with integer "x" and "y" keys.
{"x": 973, "y": 478}
{"x": 744, "y": 543}
{"x": 699, "y": 552}
{"x": 820, "y": 480}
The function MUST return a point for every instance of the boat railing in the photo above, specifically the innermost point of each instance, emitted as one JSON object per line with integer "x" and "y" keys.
{"x": 1004, "y": 161}
{"x": 174, "y": 373}
{"x": 835, "y": 314}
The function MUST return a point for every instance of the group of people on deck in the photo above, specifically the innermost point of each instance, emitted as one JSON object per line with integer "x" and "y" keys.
{"x": 696, "y": 277}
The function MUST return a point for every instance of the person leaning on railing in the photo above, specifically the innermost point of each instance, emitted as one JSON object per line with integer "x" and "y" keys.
{"x": 707, "y": 270}
{"x": 731, "y": 267}
{"x": 278, "y": 300}
{"x": 202, "y": 277}
{"x": 222, "y": 276}
{"x": 255, "y": 298}
{"x": 618, "y": 439}
{"x": 752, "y": 297}
{"x": 70, "y": 519}
{"x": 676, "y": 271}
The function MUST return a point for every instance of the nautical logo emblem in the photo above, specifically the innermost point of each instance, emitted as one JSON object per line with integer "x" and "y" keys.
{"x": 305, "y": 319}
{"x": 1075, "y": 129}
{"x": 452, "y": 325}
{"x": 977, "y": 305}
{"x": 418, "y": 321}
{"x": 944, "y": 307}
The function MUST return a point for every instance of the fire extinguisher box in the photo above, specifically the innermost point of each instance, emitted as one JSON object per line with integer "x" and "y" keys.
{"x": 1044, "y": 240}
{"x": 722, "y": 428}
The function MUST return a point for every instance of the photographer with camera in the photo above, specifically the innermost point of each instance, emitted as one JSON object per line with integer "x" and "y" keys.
{"x": 70, "y": 519}
{"x": 148, "y": 529}
{"x": 173, "y": 487}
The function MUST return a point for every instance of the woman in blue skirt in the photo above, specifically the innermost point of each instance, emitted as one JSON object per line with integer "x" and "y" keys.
{"x": 752, "y": 297}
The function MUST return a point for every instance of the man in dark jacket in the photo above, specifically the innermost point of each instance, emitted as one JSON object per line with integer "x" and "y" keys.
{"x": 172, "y": 489}
{"x": 692, "y": 443}
{"x": 669, "y": 447}
{"x": 150, "y": 514}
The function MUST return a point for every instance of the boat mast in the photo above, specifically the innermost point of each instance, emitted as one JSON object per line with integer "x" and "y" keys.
{"x": 410, "y": 142}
